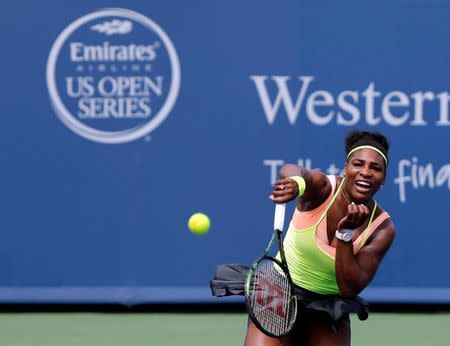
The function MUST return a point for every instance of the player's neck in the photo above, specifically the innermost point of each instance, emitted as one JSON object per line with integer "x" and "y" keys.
{"x": 347, "y": 200}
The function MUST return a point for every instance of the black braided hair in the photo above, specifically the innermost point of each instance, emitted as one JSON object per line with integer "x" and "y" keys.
{"x": 357, "y": 138}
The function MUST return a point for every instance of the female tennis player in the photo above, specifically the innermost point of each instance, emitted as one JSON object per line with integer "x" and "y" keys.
{"x": 336, "y": 240}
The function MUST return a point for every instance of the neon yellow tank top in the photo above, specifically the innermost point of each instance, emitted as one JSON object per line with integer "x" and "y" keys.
{"x": 310, "y": 261}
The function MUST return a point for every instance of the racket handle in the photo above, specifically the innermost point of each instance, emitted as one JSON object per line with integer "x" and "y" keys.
{"x": 278, "y": 221}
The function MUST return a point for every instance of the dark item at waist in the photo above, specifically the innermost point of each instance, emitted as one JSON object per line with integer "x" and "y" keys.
{"x": 229, "y": 279}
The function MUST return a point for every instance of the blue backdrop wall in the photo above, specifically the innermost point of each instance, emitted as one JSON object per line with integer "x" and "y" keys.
{"x": 122, "y": 118}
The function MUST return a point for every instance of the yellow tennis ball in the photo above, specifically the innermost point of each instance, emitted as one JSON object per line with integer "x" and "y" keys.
{"x": 199, "y": 223}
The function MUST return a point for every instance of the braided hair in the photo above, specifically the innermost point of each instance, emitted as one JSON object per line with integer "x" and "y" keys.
{"x": 358, "y": 138}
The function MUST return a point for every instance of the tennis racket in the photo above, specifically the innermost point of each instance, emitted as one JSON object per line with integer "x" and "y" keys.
{"x": 269, "y": 291}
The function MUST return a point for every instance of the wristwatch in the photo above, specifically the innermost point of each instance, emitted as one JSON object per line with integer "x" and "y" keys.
{"x": 345, "y": 234}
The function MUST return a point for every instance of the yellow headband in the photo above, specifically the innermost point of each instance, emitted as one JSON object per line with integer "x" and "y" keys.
{"x": 368, "y": 147}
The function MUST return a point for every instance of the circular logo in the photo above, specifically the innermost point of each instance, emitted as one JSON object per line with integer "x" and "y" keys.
{"x": 113, "y": 76}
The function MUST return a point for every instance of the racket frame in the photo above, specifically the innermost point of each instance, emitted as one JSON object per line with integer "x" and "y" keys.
{"x": 277, "y": 235}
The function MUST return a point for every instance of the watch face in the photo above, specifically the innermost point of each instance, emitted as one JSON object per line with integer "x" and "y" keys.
{"x": 347, "y": 236}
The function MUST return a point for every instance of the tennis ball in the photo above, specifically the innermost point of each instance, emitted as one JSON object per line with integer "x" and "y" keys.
{"x": 199, "y": 223}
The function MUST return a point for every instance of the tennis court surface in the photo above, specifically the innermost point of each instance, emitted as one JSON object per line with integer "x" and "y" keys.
{"x": 199, "y": 329}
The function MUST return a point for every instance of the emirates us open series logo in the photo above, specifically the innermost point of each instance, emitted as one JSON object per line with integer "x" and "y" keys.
{"x": 113, "y": 76}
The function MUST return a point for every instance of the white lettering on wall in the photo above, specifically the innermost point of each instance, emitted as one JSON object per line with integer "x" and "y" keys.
{"x": 296, "y": 96}
{"x": 283, "y": 96}
{"x": 417, "y": 176}
{"x": 118, "y": 96}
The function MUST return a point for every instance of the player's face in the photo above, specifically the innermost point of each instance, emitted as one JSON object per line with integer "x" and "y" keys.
{"x": 365, "y": 171}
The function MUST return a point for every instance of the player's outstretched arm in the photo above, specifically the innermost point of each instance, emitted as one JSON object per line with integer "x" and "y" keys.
{"x": 286, "y": 189}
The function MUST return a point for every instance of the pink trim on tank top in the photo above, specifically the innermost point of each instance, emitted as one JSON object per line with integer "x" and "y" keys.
{"x": 306, "y": 219}
{"x": 357, "y": 245}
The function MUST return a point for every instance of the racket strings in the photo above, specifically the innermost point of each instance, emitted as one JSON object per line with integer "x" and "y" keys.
{"x": 271, "y": 298}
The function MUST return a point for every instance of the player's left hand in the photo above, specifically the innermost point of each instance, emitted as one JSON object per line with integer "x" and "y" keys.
{"x": 356, "y": 216}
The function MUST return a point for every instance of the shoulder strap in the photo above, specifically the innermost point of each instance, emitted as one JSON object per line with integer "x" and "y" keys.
{"x": 332, "y": 200}
{"x": 372, "y": 226}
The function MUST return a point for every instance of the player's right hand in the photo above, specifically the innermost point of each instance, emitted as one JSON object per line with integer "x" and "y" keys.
{"x": 284, "y": 190}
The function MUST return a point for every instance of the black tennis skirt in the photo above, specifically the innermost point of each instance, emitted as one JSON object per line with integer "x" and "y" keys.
{"x": 229, "y": 279}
